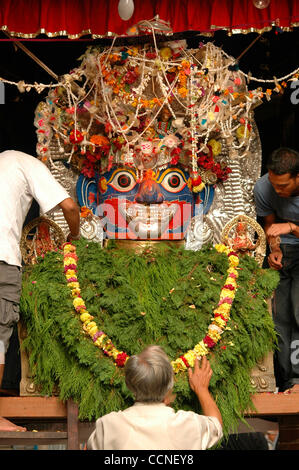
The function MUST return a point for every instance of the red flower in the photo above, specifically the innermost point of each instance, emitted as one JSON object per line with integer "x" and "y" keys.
{"x": 121, "y": 359}
{"x": 88, "y": 169}
{"x": 221, "y": 316}
{"x": 196, "y": 179}
{"x": 117, "y": 144}
{"x": 151, "y": 55}
{"x": 170, "y": 77}
{"x": 70, "y": 266}
{"x": 76, "y": 137}
{"x": 175, "y": 159}
{"x": 229, "y": 287}
{"x": 130, "y": 77}
{"x": 232, "y": 253}
{"x": 209, "y": 342}
{"x": 108, "y": 127}
{"x": 90, "y": 157}
{"x": 185, "y": 361}
{"x": 205, "y": 162}
{"x": 175, "y": 151}
{"x": 105, "y": 149}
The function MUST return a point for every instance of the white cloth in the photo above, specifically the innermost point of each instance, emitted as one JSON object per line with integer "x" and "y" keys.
{"x": 154, "y": 426}
{"x": 22, "y": 179}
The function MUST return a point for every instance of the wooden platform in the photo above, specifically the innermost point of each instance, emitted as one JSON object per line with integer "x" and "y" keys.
{"x": 276, "y": 404}
{"x": 284, "y": 407}
{"x": 57, "y": 422}
{"x": 32, "y": 407}
{"x": 48, "y": 421}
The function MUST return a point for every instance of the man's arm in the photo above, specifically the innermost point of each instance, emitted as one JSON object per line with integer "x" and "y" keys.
{"x": 283, "y": 229}
{"x": 275, "y": 257}
{"x": 199, "y": 381}
{"x": 72, "y": 216}
{"x": 264, "y": 205}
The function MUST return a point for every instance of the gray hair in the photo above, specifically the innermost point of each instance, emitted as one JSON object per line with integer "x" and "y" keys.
{"x": 149, "y": 375}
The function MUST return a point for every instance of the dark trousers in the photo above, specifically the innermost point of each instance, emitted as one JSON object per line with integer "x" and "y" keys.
{"x": 10, "y": 292}
{"x": 286, "y": 319}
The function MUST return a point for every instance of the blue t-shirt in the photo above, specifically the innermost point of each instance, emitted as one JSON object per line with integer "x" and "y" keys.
{"x": 267, "y": 202}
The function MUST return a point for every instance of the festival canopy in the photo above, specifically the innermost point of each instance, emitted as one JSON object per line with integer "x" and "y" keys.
{"x": 98, "y": 18}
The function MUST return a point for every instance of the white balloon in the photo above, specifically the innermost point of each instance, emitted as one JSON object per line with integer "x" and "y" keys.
{"x": 125, "y": 9}
{"x": 261, "y": 3}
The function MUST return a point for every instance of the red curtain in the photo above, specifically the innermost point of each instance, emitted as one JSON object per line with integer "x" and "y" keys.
{"x": 74, "y": 18}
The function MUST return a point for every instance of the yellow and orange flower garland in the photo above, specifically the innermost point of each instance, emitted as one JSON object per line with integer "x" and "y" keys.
{"x": 99, "y": 338}
{"x": 221, "y": 314}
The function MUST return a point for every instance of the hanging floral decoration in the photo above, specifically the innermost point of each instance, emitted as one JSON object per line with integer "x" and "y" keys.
{"x": 218, "y": 325}
{"x": 221, "y": 314}
{"x": 188, "y": 106}
{"x": 99, "y": 338}
{"x": 174, "y": 99}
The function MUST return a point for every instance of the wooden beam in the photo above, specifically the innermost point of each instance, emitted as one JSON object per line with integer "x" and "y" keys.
{"x": 32, "y": 438}
{"x": 275, "y": 404}
{"x": 47, "y": 407}
{"x": 32, "y": 407}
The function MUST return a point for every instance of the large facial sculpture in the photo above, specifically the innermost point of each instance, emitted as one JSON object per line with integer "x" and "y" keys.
{"x": 149, "y": 194}
{"x": 157, "y": 206}
{"x": 157, "y": 140}
{"x": 156, "y": 143}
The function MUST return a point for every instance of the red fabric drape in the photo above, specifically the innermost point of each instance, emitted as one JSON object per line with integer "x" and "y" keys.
{"x": 74, "y": 18}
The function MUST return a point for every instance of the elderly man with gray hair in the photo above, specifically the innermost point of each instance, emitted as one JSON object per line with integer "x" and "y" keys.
{"x": 150, "y": 424}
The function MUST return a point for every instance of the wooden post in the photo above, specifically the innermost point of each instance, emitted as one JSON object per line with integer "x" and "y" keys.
{"x": 285, "y": 406}
{"x": 288, "y": 432}
{"x": 72, "y": 426}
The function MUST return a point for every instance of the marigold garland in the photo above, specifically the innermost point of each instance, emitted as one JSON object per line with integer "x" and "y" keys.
{"x": 217, "y": 326}
{"x": 220, "y": 318}
{"x": 99, "y": 338}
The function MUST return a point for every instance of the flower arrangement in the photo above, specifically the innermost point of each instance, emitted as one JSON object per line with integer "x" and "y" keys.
{"x": 175, "y": 314}
{"x": 103, "y": 121}
{"x": 99, "y": 338}
{"x": 221, "y": 314}
{"x": 85, "y": 212}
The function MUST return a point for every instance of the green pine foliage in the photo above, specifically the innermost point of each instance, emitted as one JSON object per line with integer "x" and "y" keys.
{"x": 142, "y": 299}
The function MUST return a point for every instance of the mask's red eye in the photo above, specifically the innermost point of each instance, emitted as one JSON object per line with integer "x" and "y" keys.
{"x": 173, "y": 182}
{"x": 123, "y": 181}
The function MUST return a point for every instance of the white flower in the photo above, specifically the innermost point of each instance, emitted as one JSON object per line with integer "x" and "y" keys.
{"x": 170, "y": 141}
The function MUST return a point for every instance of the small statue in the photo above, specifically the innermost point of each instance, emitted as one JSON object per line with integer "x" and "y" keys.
{"x": 241, "y": 241}
{"x": 146, "y": 156}
{"x": 43, "y": 242}
{"x": 38, "y": 237}
{"x": 164, "y": 122}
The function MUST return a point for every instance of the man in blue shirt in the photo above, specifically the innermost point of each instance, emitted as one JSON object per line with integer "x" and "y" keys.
{"x": 277, "y": 201}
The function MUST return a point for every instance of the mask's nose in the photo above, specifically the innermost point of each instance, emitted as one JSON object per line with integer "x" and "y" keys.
{"x": 149, "y": 191}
